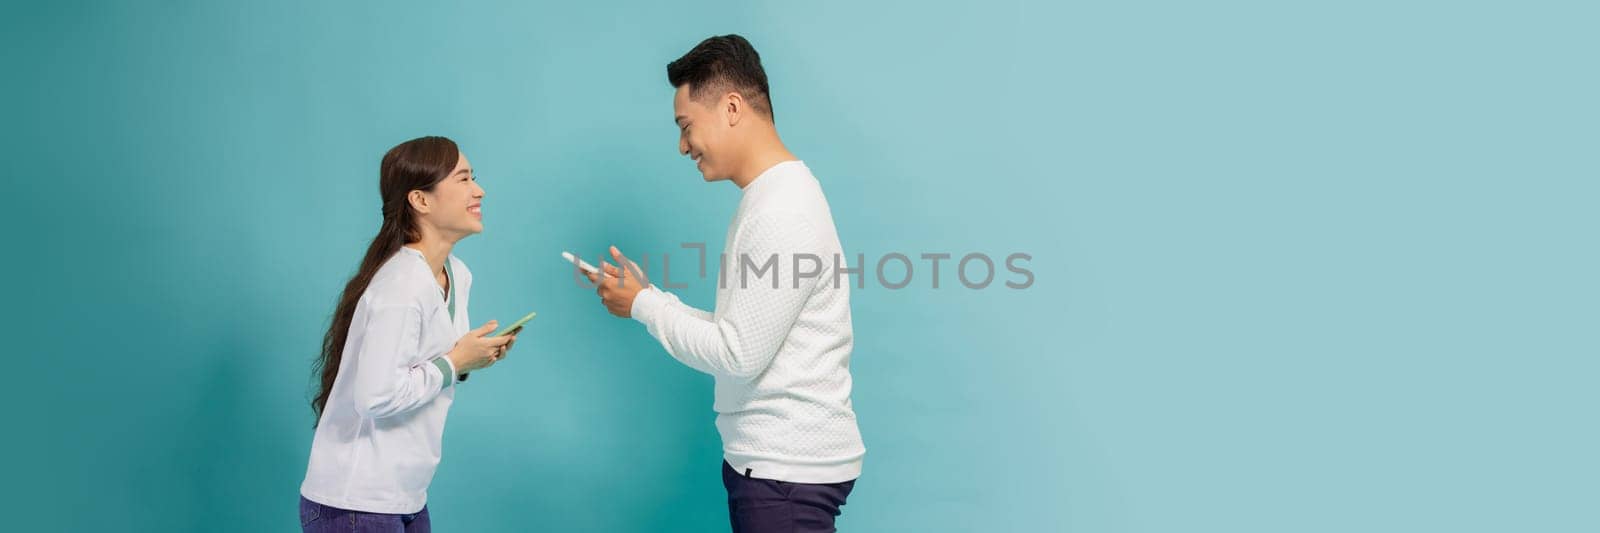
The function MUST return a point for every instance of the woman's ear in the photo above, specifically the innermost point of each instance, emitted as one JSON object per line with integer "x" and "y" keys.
{"x": 418, "y": 200}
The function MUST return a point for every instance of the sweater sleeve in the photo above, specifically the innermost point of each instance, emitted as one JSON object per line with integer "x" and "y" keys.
{"x": 673, "y": 301}
{"x": 386, "y": 384}
{"x": 763, "y": 299}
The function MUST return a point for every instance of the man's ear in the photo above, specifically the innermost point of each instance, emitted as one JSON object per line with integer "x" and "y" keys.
{"x": 419, "y": 201}
{"x": 734, "y": 107}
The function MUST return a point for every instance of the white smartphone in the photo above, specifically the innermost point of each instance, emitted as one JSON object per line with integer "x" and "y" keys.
{"x": 587, "y": 268}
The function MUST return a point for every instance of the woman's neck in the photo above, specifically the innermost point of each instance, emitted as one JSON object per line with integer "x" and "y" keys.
{"x": 434, "y": 249}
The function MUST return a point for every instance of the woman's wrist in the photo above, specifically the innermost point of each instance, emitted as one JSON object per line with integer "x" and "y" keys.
{"x": 446, "y": 369}
{"x": 457, "y": 361}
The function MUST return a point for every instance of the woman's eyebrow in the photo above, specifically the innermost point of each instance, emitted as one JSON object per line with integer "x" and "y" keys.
{"x": 464, "y": 171}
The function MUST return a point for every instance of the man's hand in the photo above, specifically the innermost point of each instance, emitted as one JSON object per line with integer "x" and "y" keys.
{"x": 618, "y": 287}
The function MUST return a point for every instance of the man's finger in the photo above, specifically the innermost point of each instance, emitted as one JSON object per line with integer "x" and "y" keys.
{"x": 628, "y": 268}
{"x": 621, "y": 276}
{"x": 486, "y": 328}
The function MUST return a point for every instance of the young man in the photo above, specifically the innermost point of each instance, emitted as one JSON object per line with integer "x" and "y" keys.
{"x": 779, "y": 341}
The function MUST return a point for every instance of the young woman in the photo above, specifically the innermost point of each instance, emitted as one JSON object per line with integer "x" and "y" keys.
{"x": 398, "y": 341}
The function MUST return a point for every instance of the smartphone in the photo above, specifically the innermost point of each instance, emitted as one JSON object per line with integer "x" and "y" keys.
{"x": 584, "y": 265}
{"x": 514, "y": 325}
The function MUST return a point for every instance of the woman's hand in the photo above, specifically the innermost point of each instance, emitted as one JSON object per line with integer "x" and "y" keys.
{"x": 475, "y": 351}
{"x": 513, "y": 334}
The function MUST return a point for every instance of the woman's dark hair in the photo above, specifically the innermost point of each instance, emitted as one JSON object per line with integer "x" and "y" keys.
{"x": 721, "y": 63}
{"x": 417, "y": 164}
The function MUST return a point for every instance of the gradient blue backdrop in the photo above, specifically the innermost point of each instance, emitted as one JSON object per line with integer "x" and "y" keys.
{"x": 1313, "y": 267}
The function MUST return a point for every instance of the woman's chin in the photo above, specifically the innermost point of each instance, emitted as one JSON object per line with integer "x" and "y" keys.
{"x": 472, "y": 228}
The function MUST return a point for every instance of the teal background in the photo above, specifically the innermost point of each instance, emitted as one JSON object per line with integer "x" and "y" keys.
{"x": 1310, "y": 267}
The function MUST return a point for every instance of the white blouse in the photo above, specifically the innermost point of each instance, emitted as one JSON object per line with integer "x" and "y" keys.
{"x": 378, "y": 441}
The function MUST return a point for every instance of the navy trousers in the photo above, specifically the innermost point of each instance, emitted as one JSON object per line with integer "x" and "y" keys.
{"x": 319, "y": 518}
{"x": 769, "y": 506}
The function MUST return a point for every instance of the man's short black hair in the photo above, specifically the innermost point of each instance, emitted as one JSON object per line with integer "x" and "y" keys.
{"x": 723, "y": 63}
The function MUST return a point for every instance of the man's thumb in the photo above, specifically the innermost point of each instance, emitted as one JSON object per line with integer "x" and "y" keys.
{"x": 486, "y": 328}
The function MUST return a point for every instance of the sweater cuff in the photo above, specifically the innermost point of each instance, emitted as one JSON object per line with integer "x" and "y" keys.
{"x": 647, "y": 304}
{"x": 447, "y": 372}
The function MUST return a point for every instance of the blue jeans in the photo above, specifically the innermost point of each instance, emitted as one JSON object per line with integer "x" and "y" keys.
{"x": 769, "y": 506}
{"x": 319, "y": 518}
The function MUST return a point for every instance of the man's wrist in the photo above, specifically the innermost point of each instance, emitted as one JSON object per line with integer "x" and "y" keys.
{"x": 645, "y": 303}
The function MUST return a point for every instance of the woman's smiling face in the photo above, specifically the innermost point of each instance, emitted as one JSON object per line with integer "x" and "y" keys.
{"x": 455, "y": 205}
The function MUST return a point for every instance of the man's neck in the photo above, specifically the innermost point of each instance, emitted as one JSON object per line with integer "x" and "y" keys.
{"x": 763, "y": 156}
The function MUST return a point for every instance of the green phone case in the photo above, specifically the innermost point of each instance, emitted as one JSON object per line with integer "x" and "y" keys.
{"x": 514, "y": 325}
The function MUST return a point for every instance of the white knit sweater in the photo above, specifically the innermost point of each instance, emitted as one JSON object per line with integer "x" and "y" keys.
{"x": 779, "y": 342}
